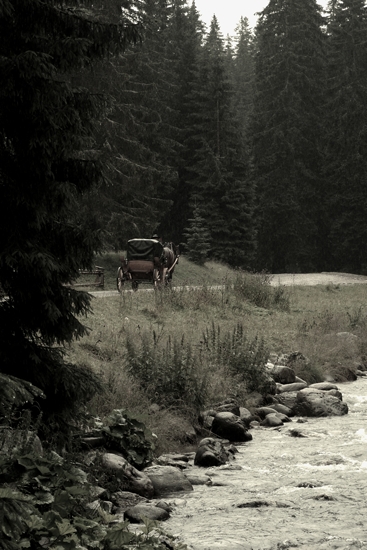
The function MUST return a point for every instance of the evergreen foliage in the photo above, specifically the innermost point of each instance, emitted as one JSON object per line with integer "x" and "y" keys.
{"x": 287, "y": 129}
{"x": 244, "y": 72}
{"x": 185, "y": 36}
{"x": 136, "y": 136}
{"x": 198, "y": 239}
{"x": 221, "y": 186}
{"x": 48, "y": 162}
{"x": 346, "y": 136}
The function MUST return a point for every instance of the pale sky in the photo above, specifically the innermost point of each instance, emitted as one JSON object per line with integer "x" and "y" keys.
{"x": 229, "y": 12}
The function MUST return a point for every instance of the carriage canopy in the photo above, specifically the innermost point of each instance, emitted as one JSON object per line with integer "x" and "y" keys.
{"x": 144, "y": 249}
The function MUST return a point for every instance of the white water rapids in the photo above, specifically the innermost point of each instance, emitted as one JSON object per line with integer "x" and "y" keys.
{"x": 285, "y": 492}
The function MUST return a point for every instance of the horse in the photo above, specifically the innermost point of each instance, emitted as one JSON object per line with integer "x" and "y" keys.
{"x": 171, "y": 256}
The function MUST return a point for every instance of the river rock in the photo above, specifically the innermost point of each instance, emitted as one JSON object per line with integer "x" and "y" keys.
{"x": 131, "y": 479}
{"x": 271, "y": 421}
{"x": 335, "y": 393}
{"x": 287, "y": 399}
{"x": 325, "y": 386}
{"x": 295, "y": 360}
{"x": 282, "y": 374}
{"x": 254, "y": 399}
{"x": 167, "y": 479}
{"x": 125, "y": 499}
{"x": 229, "y": 426}
{"x": 197, "y": 478}
{"x": 312, "y": 402}
{"x": 206, "y": 419}
{"x": 178, "y": 460}
{"x": 211, "y": 452}
{"x": 278, "y": 407}
{"x": 296, "y": 386}
{"x": 245, "y": 415}
{"x": 135, "y": 514}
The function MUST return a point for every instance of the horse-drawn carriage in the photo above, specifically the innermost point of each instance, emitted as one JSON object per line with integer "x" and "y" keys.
{"x": 147, "y": 261}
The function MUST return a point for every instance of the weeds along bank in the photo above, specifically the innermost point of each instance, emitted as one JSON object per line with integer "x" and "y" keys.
{"x": 179, "y": 350}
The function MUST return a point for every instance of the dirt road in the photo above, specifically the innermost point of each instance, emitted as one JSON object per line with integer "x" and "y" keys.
{"x": 279, "y": 279}
{"x": 311, "y": 279}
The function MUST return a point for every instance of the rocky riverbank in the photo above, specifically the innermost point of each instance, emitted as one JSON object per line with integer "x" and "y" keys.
{"x": 139, "y": 492}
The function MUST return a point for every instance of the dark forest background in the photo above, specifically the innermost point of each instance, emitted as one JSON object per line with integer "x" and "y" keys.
{"x": 254, "y": 144}
{"x": 253, "y": 147}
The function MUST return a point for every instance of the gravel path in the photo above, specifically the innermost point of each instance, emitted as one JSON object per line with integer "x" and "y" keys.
{"x": 311, "y": 279}
{"x": 278, "y": 279}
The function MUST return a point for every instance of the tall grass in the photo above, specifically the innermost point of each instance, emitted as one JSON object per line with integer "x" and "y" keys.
{"x": 185, "y": 348}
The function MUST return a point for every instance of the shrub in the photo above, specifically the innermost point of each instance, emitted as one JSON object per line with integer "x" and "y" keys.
{"x": 256, "y": 288}
{"x": 244, "y": 357}
{"x": 46, "y": 508}
{"x": 129, "y": 436}
{"x": 169, "y": 369}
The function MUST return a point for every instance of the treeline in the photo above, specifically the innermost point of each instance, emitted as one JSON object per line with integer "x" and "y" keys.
{"x": 251, "y": 148}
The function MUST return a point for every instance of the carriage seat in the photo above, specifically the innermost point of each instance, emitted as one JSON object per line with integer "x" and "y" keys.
{"x": 140, "y": 266}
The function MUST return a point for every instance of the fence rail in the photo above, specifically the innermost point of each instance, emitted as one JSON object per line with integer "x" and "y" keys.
{"x": 86, "y": 276}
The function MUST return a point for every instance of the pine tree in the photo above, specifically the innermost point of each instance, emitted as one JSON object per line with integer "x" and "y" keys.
{"x": 184, "y": 37}
{"x": 47, "y": 163}
{"x": 244, "y": 72}
{"x": 198, "y": 239}
{"x": 287, "y": 129}
{"x": 137, "y": 136}
{"x": 221, "y": 184}
{"x": 346, "y": 139}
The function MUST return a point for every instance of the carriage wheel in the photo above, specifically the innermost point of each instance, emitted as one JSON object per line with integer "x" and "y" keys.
{"x": 120, "y": 279}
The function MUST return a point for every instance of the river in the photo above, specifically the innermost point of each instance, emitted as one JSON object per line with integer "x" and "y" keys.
{"x": 283, "y": 491}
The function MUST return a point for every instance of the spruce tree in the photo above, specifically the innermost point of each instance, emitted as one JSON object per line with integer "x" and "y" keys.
{"x": 185, "y": 34}
{"x": 346, "y": 138}
{"x": 138, "y": 135}
{"x": 48, "y": 161}
{"x": 197, "y": 239}
{"x": 244, "y": 72}
{"x": 222, "y": 187}
{"x": 286, "y": 132}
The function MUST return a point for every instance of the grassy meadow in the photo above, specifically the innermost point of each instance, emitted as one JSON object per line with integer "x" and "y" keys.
{"x": 165, "y": 355}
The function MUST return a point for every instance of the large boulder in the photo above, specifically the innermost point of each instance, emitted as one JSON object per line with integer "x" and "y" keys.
{"x": 130, "y": 478}
{"x": 313, "y": 402}
{"x": 229, "y": 426}
{"x": 282, "y": 374}
{"x": 287, "y": 399}
{"x": 211, "y": 452}
{"x": 167, "y": 479}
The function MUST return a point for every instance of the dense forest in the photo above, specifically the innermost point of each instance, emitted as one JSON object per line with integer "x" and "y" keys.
{"x": 251, "y": 148}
